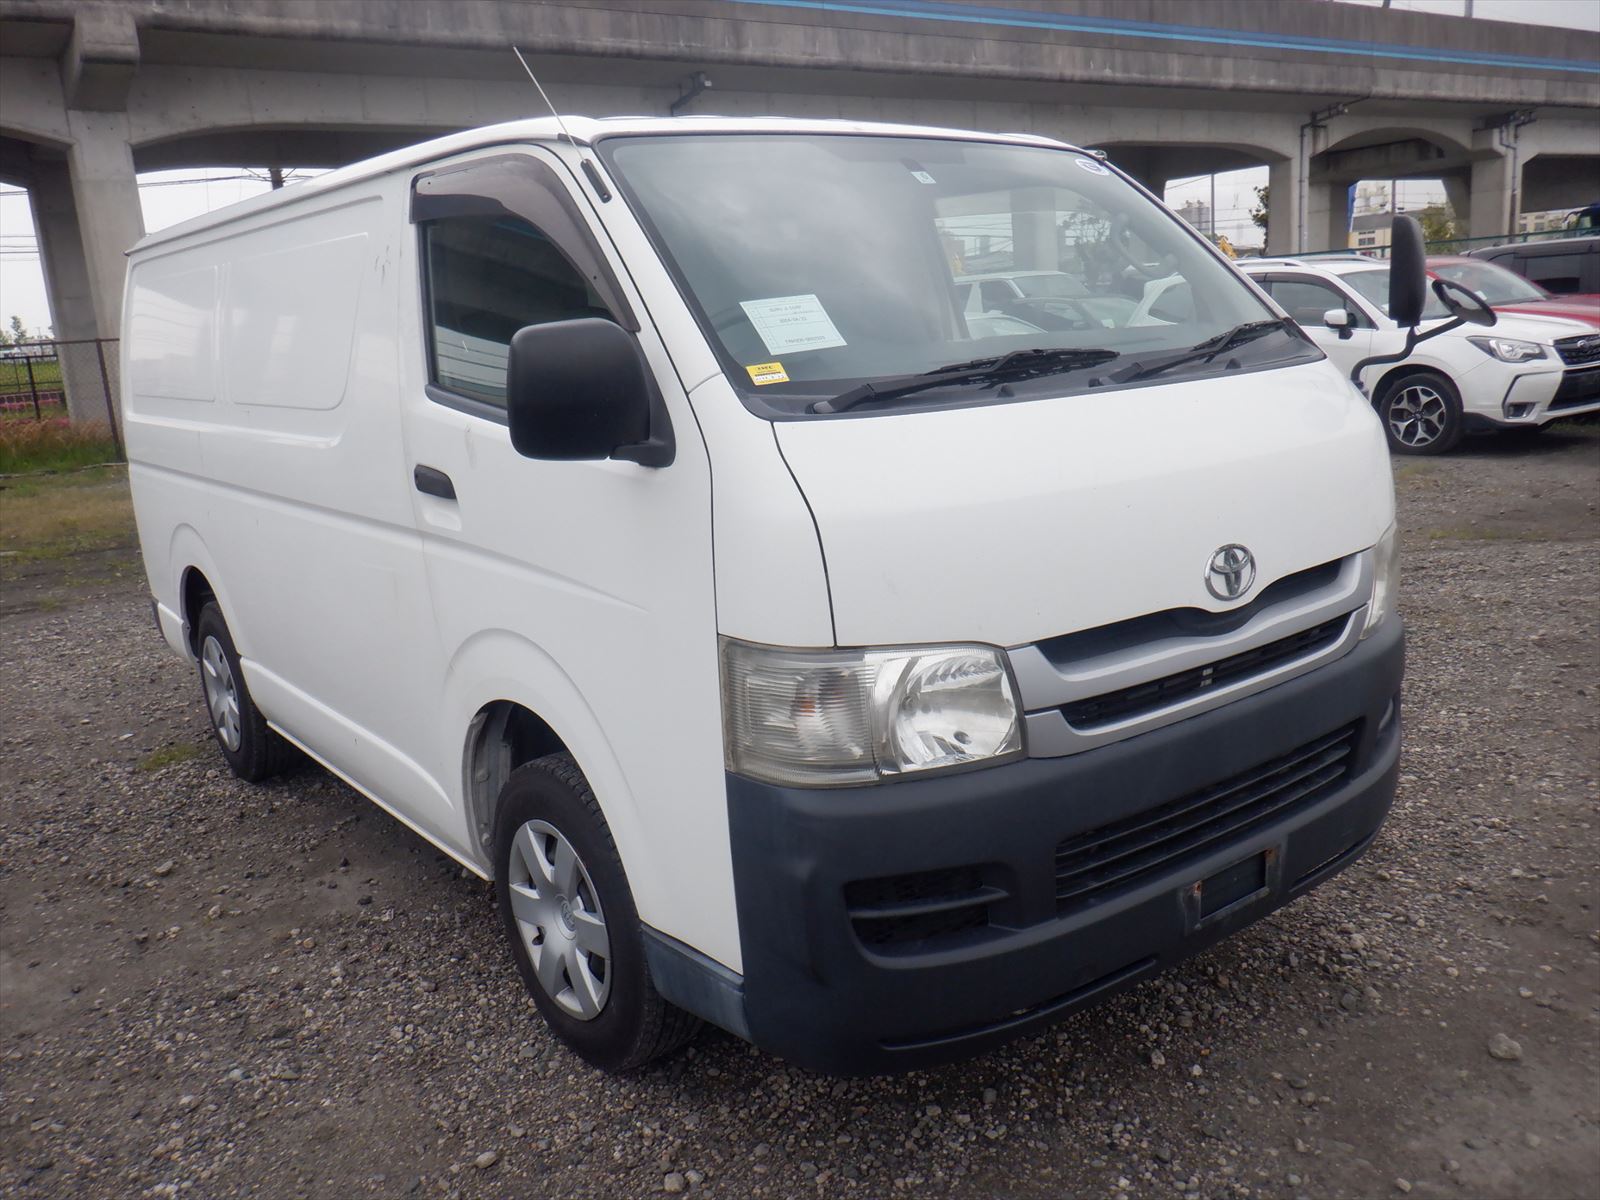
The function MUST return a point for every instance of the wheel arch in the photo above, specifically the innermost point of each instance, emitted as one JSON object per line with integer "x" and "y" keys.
{"x": 1380, "y": 389}
{"x": 194, "y": 580}
{"x": 514, "y": 703}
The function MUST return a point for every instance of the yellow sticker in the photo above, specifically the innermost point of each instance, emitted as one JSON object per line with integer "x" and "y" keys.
{"x": 762, "y": 373}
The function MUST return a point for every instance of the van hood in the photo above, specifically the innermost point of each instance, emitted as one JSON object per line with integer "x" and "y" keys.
{"x": 1009, "y": 523}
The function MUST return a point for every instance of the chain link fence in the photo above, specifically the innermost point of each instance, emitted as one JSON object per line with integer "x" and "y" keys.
{"x": 62, "y": 381}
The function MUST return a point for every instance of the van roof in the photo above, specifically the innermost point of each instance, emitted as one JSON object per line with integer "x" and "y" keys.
{"x": 584, "y": 130}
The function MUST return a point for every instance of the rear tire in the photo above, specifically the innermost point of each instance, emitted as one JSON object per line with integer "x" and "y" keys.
{"x": 253, "y": 751}
{"x": 1421, "y": 414}
{"x": 569, "y": 915}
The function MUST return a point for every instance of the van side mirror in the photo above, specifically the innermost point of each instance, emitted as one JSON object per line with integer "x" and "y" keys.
{"x": 580, "y": 389}
{"x": 1464, "y": 303}
{"x": 1339, "y": 319}
{"x": 1408, "y": 272}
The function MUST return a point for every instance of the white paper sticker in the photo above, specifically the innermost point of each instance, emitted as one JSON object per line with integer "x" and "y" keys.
{"x": 922, "y": 177}
{"x": 790, "y": 323}
{"x": 1089, "y": 164}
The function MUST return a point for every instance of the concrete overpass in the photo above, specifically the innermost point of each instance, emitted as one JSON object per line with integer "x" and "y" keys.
{"x": 92, "y": 91}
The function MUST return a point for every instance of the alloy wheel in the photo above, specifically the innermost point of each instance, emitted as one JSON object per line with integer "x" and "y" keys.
{"x": 1417, "y": 416}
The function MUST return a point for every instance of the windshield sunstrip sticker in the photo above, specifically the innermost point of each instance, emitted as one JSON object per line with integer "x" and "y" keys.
{"x": 765, "y": 373}
{"x": 791, "y": 323}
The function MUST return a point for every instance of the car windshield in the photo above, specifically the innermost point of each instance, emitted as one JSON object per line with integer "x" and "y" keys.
{"x": 1495, "y": 284}
{"x": 1373, "y": 286}
{"x": 819, "y": 262}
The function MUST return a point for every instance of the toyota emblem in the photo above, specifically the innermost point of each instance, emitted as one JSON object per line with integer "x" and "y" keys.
{"x": 1230, "y": 572}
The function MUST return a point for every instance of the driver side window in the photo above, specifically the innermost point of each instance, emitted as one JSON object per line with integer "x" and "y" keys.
{"x": 487, "y": 277}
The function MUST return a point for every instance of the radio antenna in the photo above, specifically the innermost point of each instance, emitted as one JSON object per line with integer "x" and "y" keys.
{"x": 592, "y": 175}
{"x": 543, "y": 96}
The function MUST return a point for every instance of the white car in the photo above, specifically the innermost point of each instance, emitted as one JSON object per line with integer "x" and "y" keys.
{"x": 1523, "y": 372}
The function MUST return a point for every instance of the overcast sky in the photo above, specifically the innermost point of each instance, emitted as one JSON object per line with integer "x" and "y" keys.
{"x": 168, "y": 197}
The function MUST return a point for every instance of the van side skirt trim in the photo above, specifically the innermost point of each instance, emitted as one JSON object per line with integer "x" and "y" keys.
{"x": 475, "y": 868}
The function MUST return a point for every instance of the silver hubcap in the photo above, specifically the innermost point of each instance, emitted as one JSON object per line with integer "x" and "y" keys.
{"x": 222, "y": 693}
{"x": 560, "y": 920}
{"x": 1417, "y": 416}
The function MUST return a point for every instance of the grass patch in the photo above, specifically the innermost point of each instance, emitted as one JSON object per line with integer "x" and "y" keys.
{"x": 168, "y": 755}
{"x": 56, "y": 444}
{"x": 55, "y": 516}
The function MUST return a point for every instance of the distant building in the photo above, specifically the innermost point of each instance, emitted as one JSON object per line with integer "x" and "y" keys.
{"x": 1197, "y": 213}
{"x": 1369, "y": 231}
{"x": 1541, "y": 222}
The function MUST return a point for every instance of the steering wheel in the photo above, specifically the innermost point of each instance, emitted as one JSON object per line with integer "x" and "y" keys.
{"x": 1120, "y": 239}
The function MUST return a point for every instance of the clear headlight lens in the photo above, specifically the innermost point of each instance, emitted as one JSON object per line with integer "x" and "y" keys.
{"x": 1385, "y": 579}
{"x": 1508, "y": 349}
{"x": 827, "y": 718}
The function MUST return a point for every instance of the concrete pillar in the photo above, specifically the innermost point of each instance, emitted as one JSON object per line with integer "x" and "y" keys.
{"x": 66, "y": 284}
{"x": 1327, "y": 216}
{"x": 1489, "y": 213}
{"x": 106, "y": 195}
{"x": 1283, "y": 207}
{"x": 1458, "y": 195}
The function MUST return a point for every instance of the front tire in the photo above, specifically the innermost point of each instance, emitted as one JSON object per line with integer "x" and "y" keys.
{"x": 569, "y": 914}
{"x": 1421, "y": 414}
{"x": 253, "y": 751}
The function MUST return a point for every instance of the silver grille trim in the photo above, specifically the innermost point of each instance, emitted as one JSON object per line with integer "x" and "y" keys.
{"x": 1045, "y": 685}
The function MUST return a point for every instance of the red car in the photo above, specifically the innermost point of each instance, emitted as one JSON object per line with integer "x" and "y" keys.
{"x": 1506, "y": 291}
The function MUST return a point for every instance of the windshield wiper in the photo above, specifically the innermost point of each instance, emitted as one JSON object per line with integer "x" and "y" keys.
{"x": 1005, "y": 368}
{"x": 1200, "y": 352}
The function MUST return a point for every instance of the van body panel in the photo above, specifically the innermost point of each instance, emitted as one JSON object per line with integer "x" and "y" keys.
{"x": 764, "y": 531}
{"x": 303, "y": 512}
{"x": 1011, "y": 523}
{"x": 603, "y": 570}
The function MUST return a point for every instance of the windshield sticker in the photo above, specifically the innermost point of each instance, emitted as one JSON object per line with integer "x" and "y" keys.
{"x": 922, "y": 177}
{"x": 1089, "y": 165}
{"x": 789, "y": 323}
{"x": 764, "y": 373}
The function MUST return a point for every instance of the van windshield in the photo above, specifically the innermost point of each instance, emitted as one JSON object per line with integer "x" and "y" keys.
{"x": 819, "y": 262}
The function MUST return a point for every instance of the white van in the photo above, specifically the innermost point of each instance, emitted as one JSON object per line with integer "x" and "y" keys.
{"x": 633, "y": 514}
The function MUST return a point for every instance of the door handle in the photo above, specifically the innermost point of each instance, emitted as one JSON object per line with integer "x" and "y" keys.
{"x": 433, "y": 482}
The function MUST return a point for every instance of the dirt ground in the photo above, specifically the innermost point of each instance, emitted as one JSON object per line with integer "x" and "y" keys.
{"x": 209, "y": 989}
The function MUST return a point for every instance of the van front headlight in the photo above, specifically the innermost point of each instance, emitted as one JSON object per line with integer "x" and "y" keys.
{"x": 829, "y": 718}
{"x": 1385, "y": 579}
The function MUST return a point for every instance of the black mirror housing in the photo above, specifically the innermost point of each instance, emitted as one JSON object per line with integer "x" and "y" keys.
{"x": 580, "y": 389}
{"x": 1408, "y": 272}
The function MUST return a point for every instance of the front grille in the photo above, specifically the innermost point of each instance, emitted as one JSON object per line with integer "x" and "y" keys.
{"x": 1575, "y": 351}
{"x": 1101, "y": 862}
{"x": 1159, "y": 693}
{"x": 904, "y": 913}
{"x": 1577, "y": 387}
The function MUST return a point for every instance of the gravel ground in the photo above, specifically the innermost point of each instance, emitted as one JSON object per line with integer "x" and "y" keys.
{"x": 217, "y": 990}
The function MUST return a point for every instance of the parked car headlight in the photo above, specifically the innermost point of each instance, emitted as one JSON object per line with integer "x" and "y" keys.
{"x": 1508, "y": 349}
{"x": 828, "y": 718}
{"x": 1385, "y": 579}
